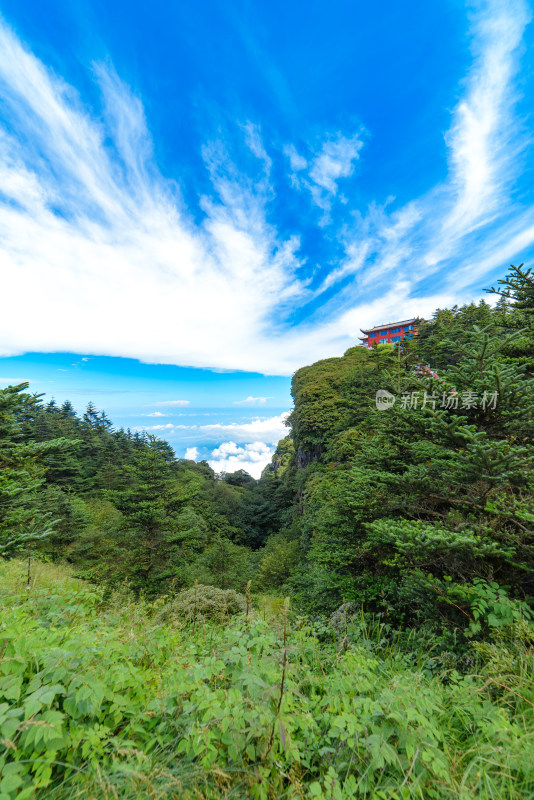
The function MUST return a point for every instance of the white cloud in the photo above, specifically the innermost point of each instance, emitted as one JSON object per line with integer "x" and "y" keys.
{"x": 191, "y": 454}
{"x": 250, "y": 400}
{"x": 170, "y": 403}
{"x": 482, "y": 142}
{"x": 86, "y": 208}
{"x": 122, "y": 226}
{"x": 230, "y": 457}
{"x": 467, "y": 225}
{"x": 335, "y": 160}
{"x": 254, "y": 142}
{"x": 269, "y": 430}
{"x": 15, "y": 381}
{"x": 156, "y": 414}
{"x": 296, "y": 161}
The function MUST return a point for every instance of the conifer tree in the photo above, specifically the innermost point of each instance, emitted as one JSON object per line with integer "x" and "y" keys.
{"x": 516, "y": 293}
{"x": 22, "y": 522}
{"x": 439, "y": 487}
{"x": 67, "y": 410}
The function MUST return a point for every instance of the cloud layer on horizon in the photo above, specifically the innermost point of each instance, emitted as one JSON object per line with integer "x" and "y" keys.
{"x": 241, "y": 445}
{"x": 88, "y": 222}
{"x": 266, "y": 429}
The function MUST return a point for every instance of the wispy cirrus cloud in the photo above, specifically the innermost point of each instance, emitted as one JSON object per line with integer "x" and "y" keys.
{"x": 470, "y": 223}
{"x": 84, "y": 207}
{"x": 84, "y": 210}
{"x": 321, "y": 172}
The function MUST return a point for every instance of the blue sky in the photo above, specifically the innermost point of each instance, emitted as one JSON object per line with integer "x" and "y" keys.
{"x": 201, "y": 198}
{"x": 231, "y": 418}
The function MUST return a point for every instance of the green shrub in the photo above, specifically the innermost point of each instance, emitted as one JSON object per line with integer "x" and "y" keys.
{"x": 279, "y": 556}
{"x": 341, "y": 617}
{"x": 203, "y": 602}
{"x": 107, "y": 701}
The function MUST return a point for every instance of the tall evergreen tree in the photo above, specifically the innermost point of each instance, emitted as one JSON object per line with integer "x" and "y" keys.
{"x": 516, "y": 293}
{"x": 22, "y": 521}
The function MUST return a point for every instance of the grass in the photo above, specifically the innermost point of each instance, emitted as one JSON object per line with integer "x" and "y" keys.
{"x": 111, "y": 700}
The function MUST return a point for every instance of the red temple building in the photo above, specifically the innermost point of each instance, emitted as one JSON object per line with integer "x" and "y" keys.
{"x": 391, "y": 332}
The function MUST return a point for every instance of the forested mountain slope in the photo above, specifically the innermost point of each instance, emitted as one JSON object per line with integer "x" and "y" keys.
{"x": 118, "y": 505}
{"x": 356, "y": 624}
{"x": 422, "y": 511}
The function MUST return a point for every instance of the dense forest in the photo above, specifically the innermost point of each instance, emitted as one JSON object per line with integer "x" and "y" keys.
{"x": 356, "y": 623}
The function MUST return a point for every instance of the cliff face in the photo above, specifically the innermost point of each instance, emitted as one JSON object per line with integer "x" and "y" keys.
{"x": 283, "y": 457}
{"x": 304, "y": 457}
{"x": 329, "y": 397}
